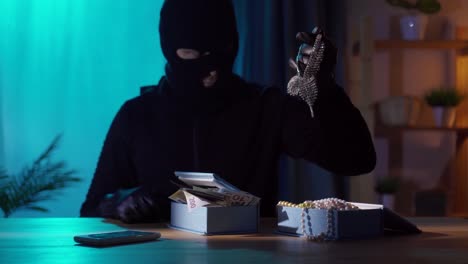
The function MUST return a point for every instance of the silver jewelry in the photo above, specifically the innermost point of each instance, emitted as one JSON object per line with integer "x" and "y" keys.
{"x": 315, "y": 58}
{"x": 304, "y": 84}
{"x": 304, "y": 88}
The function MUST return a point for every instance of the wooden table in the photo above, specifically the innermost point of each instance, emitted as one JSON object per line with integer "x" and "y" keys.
{"x": 50, "y": 240}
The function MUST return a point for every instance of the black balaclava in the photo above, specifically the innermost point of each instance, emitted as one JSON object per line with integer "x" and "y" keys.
{"x": 206, "y": 26}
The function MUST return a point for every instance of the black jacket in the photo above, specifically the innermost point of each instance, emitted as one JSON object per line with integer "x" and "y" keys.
{"x": 155, "y": 134}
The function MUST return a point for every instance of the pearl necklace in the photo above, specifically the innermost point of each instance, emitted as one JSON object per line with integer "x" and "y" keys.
{"x": 329, "y": 204}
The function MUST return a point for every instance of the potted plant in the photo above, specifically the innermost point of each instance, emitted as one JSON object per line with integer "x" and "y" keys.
{"x": 35, "y": 183}
{"x": 387, "y": 187}
{"x": 413, "y": 26}
{"x": 443, "y": 102}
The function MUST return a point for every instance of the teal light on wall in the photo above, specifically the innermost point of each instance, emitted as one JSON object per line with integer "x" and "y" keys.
{"x": 66, "y": 66}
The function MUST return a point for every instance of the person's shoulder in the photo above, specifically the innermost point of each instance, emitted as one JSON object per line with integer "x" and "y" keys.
{"x": 148, "y": 96}
{"x": 134, "y": 103}
{"x": 152, "y": 92}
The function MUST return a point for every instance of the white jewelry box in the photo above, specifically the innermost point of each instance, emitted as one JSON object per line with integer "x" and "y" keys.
{"x": 215, "y": 220}
{"x": 366, "y": 222}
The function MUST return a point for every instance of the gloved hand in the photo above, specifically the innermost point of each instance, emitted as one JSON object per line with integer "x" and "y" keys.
{"x": 316, "y": 56}
{"x": 134, "y": 205}
{"x": 315, "y": 63}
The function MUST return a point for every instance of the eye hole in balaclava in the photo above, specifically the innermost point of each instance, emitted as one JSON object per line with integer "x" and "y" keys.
{"x": 207, "y": 26}
{"x": 189, "y": 54}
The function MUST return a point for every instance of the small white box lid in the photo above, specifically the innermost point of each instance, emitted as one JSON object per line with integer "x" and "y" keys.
{"x": 205, "y": 179}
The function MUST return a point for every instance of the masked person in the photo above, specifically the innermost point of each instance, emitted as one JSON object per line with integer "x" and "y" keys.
{"x": 201, "y": 117}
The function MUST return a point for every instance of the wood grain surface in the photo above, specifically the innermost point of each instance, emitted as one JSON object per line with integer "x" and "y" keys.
{"x": 50, "y": 240}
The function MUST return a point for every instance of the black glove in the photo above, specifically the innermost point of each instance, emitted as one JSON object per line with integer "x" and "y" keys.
{"x": 134, "y": 205}
{"x": 316, "y": 56}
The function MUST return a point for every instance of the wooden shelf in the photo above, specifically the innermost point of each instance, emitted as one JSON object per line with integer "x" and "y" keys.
{"x": 383, "y": 130}
{"x": 455, "y": 175}
{"x": 420, "y": 44}
{"x": 462, "y": 129}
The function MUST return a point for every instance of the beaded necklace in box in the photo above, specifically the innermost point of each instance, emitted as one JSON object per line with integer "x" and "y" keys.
{"x": 329, "y": 204}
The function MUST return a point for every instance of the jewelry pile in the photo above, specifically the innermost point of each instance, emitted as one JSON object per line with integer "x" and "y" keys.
{"x": 329, "y": 204}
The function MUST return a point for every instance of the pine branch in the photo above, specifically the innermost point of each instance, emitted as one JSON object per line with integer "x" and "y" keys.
{"x": 36, "y": 183}
{"x": 3, "y": 179}
{"x": 48, "y": 152}
{"x": 38, "y": 208}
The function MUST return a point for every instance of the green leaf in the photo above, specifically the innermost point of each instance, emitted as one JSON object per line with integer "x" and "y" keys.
{"x": 448, "y": 97}
{"x": 38, "y": 182}
{"x": 38, "y": 208}
{"x": 387, "y": 185}
{"x": 424, "y": 6}
{"x": 428, "y": 6}
{"x": 401, "y": 3}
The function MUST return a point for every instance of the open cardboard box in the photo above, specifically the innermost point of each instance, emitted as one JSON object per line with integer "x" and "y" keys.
{"x": 213, "y": 220}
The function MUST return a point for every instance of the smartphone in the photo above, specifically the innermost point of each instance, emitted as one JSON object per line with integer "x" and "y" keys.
{"x": 116, "y": 238}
